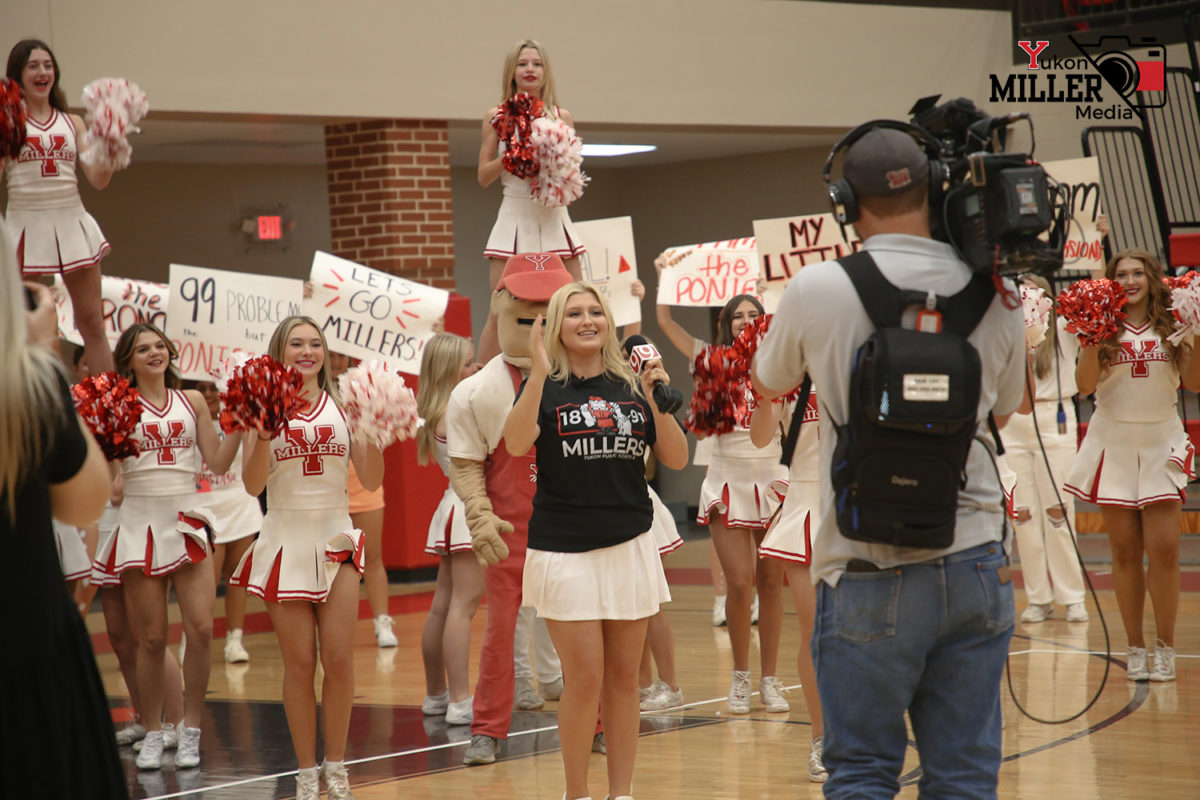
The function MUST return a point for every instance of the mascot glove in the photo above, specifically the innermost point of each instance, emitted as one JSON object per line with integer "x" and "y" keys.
{"x": 486, "y": 532}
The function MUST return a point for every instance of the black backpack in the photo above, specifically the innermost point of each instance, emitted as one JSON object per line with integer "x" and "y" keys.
{"x": 900, "y": 459}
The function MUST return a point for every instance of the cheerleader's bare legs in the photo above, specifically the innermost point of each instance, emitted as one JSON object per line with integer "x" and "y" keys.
{"x": 83, "y": 285}
{"x": 743, "y": 574}
{"x": 120, "y": 635}
{"x": 1152, "y": 532}
{"x": 805, "y": 597}
{"x": 446, "y": 637}
{"x": 225, "y": 558}
{"x": 489, "y": 339}
{"x": 374, "y": 574}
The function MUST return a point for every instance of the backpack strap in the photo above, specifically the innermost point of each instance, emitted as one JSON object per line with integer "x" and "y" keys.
{"x": 965, "y": 309}
{"x": 793, "y": 434}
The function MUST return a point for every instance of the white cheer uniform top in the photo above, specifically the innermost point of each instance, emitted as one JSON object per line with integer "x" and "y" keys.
{"x": 43, "y": 174}
{"x": 1139, "y": 384}
{"x": 167, "y": 458}
{"x": 314, "y": 447}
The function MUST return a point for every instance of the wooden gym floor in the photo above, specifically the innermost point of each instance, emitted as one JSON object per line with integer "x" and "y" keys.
{"x": 1135, "y": 742}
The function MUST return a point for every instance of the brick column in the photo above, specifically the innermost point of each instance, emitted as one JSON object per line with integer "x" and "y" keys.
{"x": 389, "y": 197}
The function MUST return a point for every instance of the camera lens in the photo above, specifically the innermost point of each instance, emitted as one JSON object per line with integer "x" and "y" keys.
{"x": 1120, "y": 71}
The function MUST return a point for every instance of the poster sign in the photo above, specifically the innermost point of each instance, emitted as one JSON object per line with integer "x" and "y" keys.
{"x": 1081, "y": 176}
{"x": 611, "y": 265}
{"x": 370, "y": 314}
{"x": 787, "y": 244}
{"x": 708, "y": 274}
{"x": 214, "y": 313}
{"x": 124, "y": 302}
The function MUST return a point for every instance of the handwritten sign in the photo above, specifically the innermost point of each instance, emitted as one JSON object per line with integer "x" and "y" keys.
{"x": 1084, "y": 248}
{"x": 610, "y": 264}
{"x": 787, "y": 244}
{"x": 214, "y": 313}
{"x": 124, "y": 302}
{"x": 370, "y": 314}
{"x": 709, "y": 274}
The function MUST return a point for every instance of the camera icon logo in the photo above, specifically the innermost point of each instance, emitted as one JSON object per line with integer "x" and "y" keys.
{"x": 1129, "y": 75}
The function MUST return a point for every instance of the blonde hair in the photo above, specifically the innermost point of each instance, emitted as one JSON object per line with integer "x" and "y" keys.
{"x": 441, "y": 366}
{"x": 30, "y": 399}
{"x": 123, "y": 354}
{"x": 1043, "y": 357}
{"x": 508, "y": 81}
{"x": 616, "y": 366}
{"x": 279, "y": 340}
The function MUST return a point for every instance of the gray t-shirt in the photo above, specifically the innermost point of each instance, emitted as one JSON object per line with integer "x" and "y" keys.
{"x": 819, "y": 327}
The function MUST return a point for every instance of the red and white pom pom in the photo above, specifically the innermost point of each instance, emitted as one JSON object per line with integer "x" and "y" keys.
{"x": 111, "y": 408}
{"x": 1037, "y": 307}
{"x": 223, "y": 371}
{"x": 560, "y": 178}
{"x": 514, "y": 124}
{"x": 114, "y": 107}
{"x": 719, "y": 401}
{"x": 262, "y": 394}
{"x": 1185, "y": 305}
{"x": 13, "y": 115}
{"x": 1093, "y": 310}
{"x": 380, "y": 408}
{"x": 1176, "y": 282}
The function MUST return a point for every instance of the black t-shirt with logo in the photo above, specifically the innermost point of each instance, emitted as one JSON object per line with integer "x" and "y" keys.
{"x": 591, "y": 480}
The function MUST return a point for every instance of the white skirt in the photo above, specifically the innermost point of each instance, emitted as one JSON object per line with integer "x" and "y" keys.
{"x": 236, "y": 515}
{"x": 744, "y": 492}
{"x": 298, "y": 553}
{"x": 1132, "y": 464}
{"x": 154, "y": 533}
{"x": 72, "y": 554}
{"x": 523, "y": 226}
{"x": 56, "y": 240}
{"x": 448, "y": 532}
{"x": 625, "y": 581}
{"x": 791, "y": 532}
{"x": 666, "y": 534}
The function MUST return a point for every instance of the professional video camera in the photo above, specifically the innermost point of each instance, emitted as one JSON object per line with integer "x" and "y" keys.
{"x": 992, "y": 206}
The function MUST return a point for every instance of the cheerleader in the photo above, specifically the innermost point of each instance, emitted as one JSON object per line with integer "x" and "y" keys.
{"x": 522, "y": 225}
{"x": 446, "y": 637}
{"x": 741, "y": 491}
{"x": 53, "y": 233}
{"x": 162, "y": 532}
{"x": 308, "y": 557}
{"x": 1136, "y": 459}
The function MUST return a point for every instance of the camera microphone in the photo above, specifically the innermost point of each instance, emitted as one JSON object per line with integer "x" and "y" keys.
{"x": 640, "y": 353}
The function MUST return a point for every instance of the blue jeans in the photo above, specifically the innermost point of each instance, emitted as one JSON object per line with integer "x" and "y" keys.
{"x": 930, "y": 639}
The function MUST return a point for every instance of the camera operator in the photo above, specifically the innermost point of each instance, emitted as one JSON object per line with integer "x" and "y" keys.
{"x": 902, "y": 629}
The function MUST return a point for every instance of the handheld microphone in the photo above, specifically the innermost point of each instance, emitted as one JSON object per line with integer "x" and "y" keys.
{"x": 641, "y": 352}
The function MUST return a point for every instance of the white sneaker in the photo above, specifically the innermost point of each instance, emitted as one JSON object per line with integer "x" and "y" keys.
{"x": 1135, "y": 665}
{"x": 436, "y": 706}
{"x": 337, "y": 780}
{"x": 308, "y": 784}
{"x": 188, "y": 754}
{"x": 1037, "y": 612}
{"x": 1164, "y": 664}
{"x": 771, "y": 691}
{"x": 663, "y": 697}
{"x": 150, "y": 754}
{"x": 461, "y": 713}
{"x": 738, "y": 701}
{"x": 526, "y": 699}
{"x": 816, "y": 761}
{"x": 754, "y": 611}
{"x": 718, "y": 611}
{"x": 235, "y": 652}
{"x": 645, "y": 692}
{"x": 481, "y": 750}
{"x": 551, "y": 690}
{"x": 131, "y": 733}
{"x": 170, "y": 738}
{"x": 384, "y": 635}
{"x": 1077, "y": 612}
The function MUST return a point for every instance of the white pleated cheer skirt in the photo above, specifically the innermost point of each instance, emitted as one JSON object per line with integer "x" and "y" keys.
{"x": 666, "y": 534}
{"x": 523, "y": 226}
{"x": 72, "y": 554}
{"x": 744, "y": 492}
{"x": 154, "y": 533}
{"x": 448, "y": 532}
{"x": 625, "y": 581}
{"x": 298, "y": 553}
{"x": 56, "y": 239}
{"x": 1132, "y": 464}
{"x": 236, "y": 515}
{"x": 791, "y": 532}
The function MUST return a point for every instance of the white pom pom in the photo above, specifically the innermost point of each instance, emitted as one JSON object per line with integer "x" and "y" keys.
{"x": 379, "y": 408}
{"x": 114, "y": 107}
{"x": 1037, "y": 307}
{"x": 223, "y": 371}
{"x": 560, "y": 179}
{"x": 1185, "y": 304}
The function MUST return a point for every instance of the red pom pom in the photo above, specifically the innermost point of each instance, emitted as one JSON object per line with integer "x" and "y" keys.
{"x": 12, "y": 119}
{"x": 1092, "y": 309}
{"x": 514, "y": 123}
{"x": 719, "y": 402}
{"x": 111, "y": 408}
{"x": 744, "y": 347}
{"x": 262, "y": 394}
{"x": 1183, "y": 281}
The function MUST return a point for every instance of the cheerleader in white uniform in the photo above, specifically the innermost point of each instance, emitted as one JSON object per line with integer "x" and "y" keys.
{"x": 522, "y": 226}
{"x": 741, "y": 492}
{"x": 1136, "y": 459}
{"x": 446, "y": 637}
{"x": 45, "y": 217}
{"x": 72, "y": 554}
{"x": 161, "y": 533}
{"x": 308, "y": 557}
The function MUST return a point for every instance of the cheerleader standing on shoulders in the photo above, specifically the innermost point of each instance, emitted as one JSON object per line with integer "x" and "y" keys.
{"x": 743, "y": 488}
{"x": 46, "y": 219}
{"x": 592, "y": 569}
{"x": 308, "y": 557}
{"x": 522, "y": 225}
{"x": 446, "y": 637}
{"x": 162, "y": 532}
{"x": 1136, "y": 460}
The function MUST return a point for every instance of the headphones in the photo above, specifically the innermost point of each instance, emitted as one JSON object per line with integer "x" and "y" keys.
{"x": 841, "y": 193}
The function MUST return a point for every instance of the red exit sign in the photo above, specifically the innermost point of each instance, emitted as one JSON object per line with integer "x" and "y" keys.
{"x": 270, "y": 228}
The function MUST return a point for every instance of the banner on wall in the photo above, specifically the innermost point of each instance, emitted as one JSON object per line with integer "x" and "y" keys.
{"x": 610, "y": 264}
{"x": 708, "y": 274}
{"x": 214, "y": 313}
{"x": 788, "y": 244}
{"x": 124, "y": 302}
{"x": 1084, "y": 248}
{"x": 370, "y": 314}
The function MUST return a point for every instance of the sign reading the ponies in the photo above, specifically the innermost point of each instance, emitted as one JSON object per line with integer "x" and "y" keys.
{"x": 214, "y": 313}
{"x": 610, "y": 264}
{"x": 708, "y": 274}
{"x": 787, "y": 244}
{"x": 124, "y": 302}
{"x": 370, "y": 314}
{"x": 1084, "y": 248}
